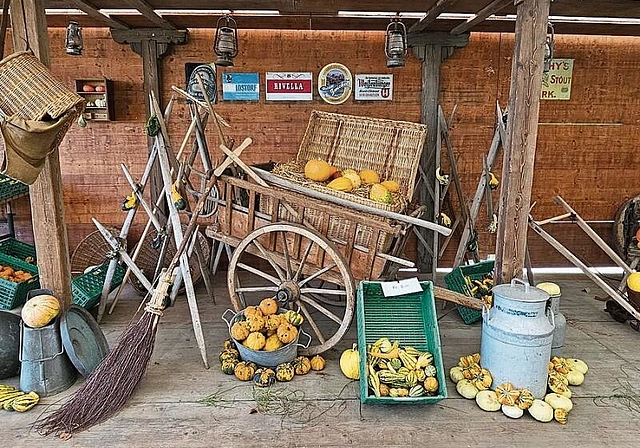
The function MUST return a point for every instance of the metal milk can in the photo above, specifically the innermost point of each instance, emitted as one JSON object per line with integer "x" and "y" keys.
{"x": 557, "y": 345}
{"x": 516, "y": 337}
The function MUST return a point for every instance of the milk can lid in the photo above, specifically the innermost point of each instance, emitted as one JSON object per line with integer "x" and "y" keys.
{"x": 520, "y": 291}
{"x": 83, "y": 339}
{"x": 550, "y": 288}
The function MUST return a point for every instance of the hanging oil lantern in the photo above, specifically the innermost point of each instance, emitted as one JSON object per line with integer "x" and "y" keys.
{"x": 225, "y": 45}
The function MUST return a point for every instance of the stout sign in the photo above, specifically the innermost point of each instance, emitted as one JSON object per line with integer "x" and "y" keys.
{"x": 289, "y": 86}
{"x": 556, "y": 83}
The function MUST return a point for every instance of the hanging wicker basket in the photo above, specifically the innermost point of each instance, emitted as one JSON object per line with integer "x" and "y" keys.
{"x": 28, "y": 89}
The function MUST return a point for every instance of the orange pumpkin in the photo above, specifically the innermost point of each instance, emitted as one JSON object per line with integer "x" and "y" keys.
{"x": 239, "y": 331}
{"x": 268, "y": 306}
{"x": 287, "y": 333}
{"x": 40, "y": 310}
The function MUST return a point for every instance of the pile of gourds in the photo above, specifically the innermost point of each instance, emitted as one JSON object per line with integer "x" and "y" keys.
{"x": 474, "y": 382}
{"x": 263, "y": 328}
{"x": 395, "y": 371}
{"x": 232, "y": 364}
{"x": 12, "y": 399}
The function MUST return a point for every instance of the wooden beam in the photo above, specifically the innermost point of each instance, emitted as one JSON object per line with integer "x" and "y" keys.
{"x": 432, "y": 15}
{"x": 491, "y": 8}
{"x": 522, "y": 132}
{"x": 94, "y": 13}
{"x": 156, "y": 34}
{"x": 441, "y": 38}
{"x": 29, "y": 30}
{"x": 147, "y": 10}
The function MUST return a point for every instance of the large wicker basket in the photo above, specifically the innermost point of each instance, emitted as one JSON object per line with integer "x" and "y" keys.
{"x": 389, "y": 147}
{"x": 30, "y": 91}
{"x": 28, "y": 88}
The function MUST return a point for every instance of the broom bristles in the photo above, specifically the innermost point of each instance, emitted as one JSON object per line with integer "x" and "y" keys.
{"x": 108, "y": 388}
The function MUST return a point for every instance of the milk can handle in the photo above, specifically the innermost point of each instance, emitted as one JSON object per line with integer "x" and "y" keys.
{"x": 485, "y": 313}
{"x": 519, "y": 280}
{"x": 552, "y": 317}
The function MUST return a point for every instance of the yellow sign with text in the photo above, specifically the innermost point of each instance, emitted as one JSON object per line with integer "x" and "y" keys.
{"x": 556, "y": 83}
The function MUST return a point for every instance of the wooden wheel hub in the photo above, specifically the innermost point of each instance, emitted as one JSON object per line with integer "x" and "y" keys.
{"x": 289, "y": 291}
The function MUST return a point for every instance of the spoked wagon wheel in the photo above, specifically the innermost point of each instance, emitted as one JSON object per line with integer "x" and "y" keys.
{"x": 298, "y": 257}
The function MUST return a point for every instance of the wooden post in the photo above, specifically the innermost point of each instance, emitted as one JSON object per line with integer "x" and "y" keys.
{"x": 522, "y": 131}
{"x": 431, "y": 57}
{"x": 151, "y": 44}
{"x": 29, "y": 30}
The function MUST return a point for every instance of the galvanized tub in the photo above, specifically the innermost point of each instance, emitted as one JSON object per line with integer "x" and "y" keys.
{"x": 266, "y": 359}
{"x": 517, "y": 332}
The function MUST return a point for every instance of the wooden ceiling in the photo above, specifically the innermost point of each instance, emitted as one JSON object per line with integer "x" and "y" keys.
{"x": 324, "y": 14}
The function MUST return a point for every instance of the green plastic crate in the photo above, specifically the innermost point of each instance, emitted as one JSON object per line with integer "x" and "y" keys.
{"x": 18, "y": 249}
{"x": 455, "y": 282}
{"x": 13, "y": 294}
{"x": 410, "y": 319}
{"x": 86, "y": 289}
{"x": 11, "y": 188}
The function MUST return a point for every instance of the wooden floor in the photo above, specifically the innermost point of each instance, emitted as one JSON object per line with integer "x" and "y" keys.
{"x": 165, "y": 411}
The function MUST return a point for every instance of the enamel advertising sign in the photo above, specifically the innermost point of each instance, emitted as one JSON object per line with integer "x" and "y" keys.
{"x": 289, "y": 86}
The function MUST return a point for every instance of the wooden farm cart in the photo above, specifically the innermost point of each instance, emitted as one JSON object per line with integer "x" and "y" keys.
{"x": 308, "y": 245}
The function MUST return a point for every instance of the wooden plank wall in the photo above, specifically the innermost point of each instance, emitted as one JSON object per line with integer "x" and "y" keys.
{"x": 586, "y": 149}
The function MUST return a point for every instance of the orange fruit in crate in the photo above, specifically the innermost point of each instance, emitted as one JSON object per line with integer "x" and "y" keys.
{"x": 317, "y": 170}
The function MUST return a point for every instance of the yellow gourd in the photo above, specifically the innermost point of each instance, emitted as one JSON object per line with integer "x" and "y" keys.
{"x": 252, "y": 310}
{"x": 353, "y": 176}
{"x": 369, "y": 177}
{"x": 317, "y": 170}
{"x": 287, "y": 333}
{"x": 341, "y": 184}
{"x": 255, "y": 341}
{"x": 239, "y": 331}
{"x": 40, "y": 310}
{"x": 272, "y": 343}
{"x": 379, "y": 193}
{"x": 391, "y": 185}
{"x": 317, "y": 363}
{"x": 255, "y": 323}
{"x": 350, "y": 363}
{"x": 273, "y": 322}
{"x": 633, "y": 281}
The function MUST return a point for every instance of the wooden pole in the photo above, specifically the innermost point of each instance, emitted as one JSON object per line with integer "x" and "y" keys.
{"x": 522, "y": 131}
{"x": 29, "y": 30}
{"x": 431, "y": 57}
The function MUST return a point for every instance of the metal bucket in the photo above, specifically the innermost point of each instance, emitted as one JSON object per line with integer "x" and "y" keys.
{"x": 46, "y": 368}
{"x": 9, "y": 344}
{"x": 516, "y": 337}
{"x": 266, "y": 359}
{"x": 557, "y": 344}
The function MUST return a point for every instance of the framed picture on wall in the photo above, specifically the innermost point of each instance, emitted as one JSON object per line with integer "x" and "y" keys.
{"x": 207, "y": 72}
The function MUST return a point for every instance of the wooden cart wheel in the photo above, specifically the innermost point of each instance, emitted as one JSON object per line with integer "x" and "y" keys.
{"x": 286, "y": 273}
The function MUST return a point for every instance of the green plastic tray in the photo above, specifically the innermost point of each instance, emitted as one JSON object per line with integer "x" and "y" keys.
{"x": 410, "y": 319}
{"x": 455, "y": 282}
{"x": 11, "y": 188}
{"x": 13, "y": 294}
{"x": 18, "y": 249}
{"x": 87, "y": 288}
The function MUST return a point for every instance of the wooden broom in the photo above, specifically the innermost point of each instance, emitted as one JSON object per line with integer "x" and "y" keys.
{"x": 108, "y": 388}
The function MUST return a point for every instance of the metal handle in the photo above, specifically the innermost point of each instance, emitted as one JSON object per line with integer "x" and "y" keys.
{"x": 308, "y": 341}
{"x": 519, "y": 280}
{"x": 552, "y": 317}
{"x": 485, "y": 313}
{"x": 228, "y": 322}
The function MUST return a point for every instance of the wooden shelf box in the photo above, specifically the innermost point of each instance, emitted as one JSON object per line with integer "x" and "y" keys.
{"x": 100, "y": 90}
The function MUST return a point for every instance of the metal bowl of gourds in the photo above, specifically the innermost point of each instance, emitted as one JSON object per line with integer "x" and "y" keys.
{"x": 266, "y": 334}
